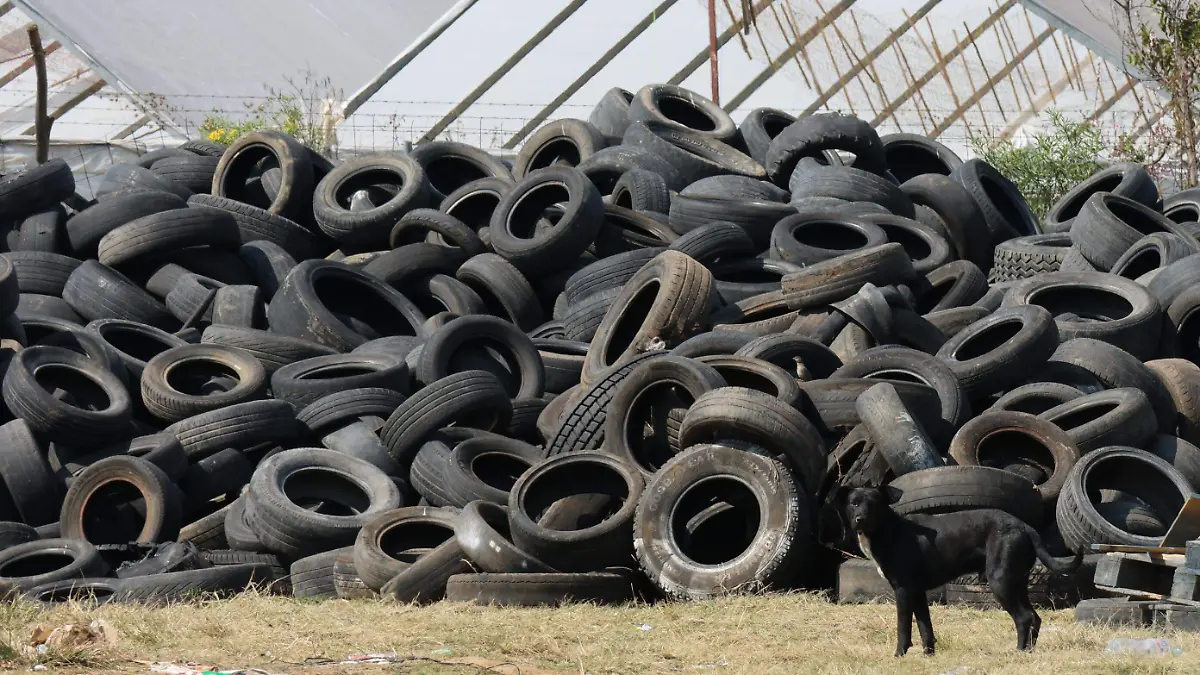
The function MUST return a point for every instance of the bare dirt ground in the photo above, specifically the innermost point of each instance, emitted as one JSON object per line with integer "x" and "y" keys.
{"x": 795, "y": 633}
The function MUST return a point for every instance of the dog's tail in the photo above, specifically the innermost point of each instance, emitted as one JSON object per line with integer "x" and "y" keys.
{"x": 1056, "y": 565}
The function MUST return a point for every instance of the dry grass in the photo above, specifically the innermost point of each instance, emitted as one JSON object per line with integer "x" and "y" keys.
{"x": 778, "y": 634}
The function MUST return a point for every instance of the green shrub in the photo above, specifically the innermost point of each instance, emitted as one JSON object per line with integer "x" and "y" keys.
{"x": 1051, "y": 163}
{"x": 301, "y": 113}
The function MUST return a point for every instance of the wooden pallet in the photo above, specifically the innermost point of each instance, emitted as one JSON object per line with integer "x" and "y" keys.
{"x": 1118, "y": 573}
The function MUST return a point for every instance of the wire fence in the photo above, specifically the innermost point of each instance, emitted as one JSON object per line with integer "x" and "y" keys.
{"x": 385, "y": 125}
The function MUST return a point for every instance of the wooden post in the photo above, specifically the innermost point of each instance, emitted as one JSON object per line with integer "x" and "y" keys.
{"x": 796, "y": 47}
{"x": 790, "y": 18}
{"x": 833, "y": 63}
{"x": 41, "y": 120}
{"x": 1041, "y": 61}
{"x": 1062, "y": 59}
{"x": 1005, "y": 36}
{"x": 991, "y": 87}
{"x": 932, "y": 72}
{"x": 795, "y": 57}
{"x": 741, "y": 36}
{"x": 903, "y": 58}
{"x": 871, "y": 70}
{"x": 935, "y": 53}
{"x": 851, "y": 56}
{"x": 726, "y": 35}
{"x": 871, "y": 56}
{"x": 712, "y": 50}
{"x": 1048, "y": 97}
{"x": 992, "y": 81}
{"x": 1109, "y": 102}
{"x": 971, "y": 81}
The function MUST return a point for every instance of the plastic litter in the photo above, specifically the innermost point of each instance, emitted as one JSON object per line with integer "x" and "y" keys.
{"x": 1147, "y": 646}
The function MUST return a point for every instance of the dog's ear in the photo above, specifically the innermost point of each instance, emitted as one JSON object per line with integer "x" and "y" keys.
{"x": 891, "y": 494}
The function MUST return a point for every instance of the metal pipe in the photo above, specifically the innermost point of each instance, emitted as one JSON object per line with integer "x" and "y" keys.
{"x": 725, "y": 37}
{"x": 502, "y": 70}
{"x": 606, "y": 58}
{"x": 712, "y": 50}
{"x": 937, "y": 67}
{"x": 796, "y": 47}
{"x": 405, "y": 57}
{"x": 992, "y": 82}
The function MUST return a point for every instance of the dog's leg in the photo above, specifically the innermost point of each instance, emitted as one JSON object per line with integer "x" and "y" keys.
{"x": 1033, "y": 621}
{"x": 1037, "y": 627}
{"x": 1011, "y": 592}
{"x": 904, "y": 618}
{"x": 924, "y": 624}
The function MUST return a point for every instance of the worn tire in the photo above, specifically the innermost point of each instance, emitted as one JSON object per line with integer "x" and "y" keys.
{"x": 483, "y": 533}
{"x": 81, "y": 518}
{"x": 1115, "y": 310}
{"x": 241, "y": 426}
{"x": 536, "y": 589}
{"x": 1036, "y": 398}
{"x": 998, "y": 351}
{"x": 668, "y": 300}
{"x": 1029, "y": 256}
{"x": 472, "y": 398}
{"x": 740, "y": 414}
{"x": 27, "y": 566}
{"x": 303, "y": 382}
{"x": 966, "y": 226}
{"x": 1121, "y": 416}
{"x": 1005, "y": 210}
{"x": 563, "y": 142}
{"x": 462, "y": 343}
{"x": 812, "y": 236}
{"x": 94, "y": 406}
{"x": 839, "y": 278}
{"x": 300, "y": 309}
{"x": 811, "y": 135}
{"x": 647, "y": 397}
{"x": 594, "y": 538}
{"x": 149, "y": 237}
{"x": 702, "y": 561}
{"x": 1021, "y": 443}
{"x": 172, "y": 395}
{"x": 948, "y": 489}
{"x": 1126, "y": 180}
{"x": 377, "y": 174}
{"x": 291, "y": 530}
{"x": 1182, "y": 380}
{"x": 450, "y": 165}
{"x": 272, "y": 350}
{"x": 1136, "y": 472}
{"x": 760, "y": 127}
{"x": 297, "y": 176}
{"x": 1108, "y": 225}
{"x": 893, "y": 362}
{"x": 642, "y": 191}
{"x": 96, "y": 291}
{"x": 33, "y": 493}
{"x": 1116, "y": 368}
{"x": 505, "y": 291}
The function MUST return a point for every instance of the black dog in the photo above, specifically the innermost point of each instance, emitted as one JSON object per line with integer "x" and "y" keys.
{"x": 917, "y": 553}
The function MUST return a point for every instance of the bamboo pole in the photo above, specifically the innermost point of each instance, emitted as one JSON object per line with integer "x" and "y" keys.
{"x": 42, "y": 121}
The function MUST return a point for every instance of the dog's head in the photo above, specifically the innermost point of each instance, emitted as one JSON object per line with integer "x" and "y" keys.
{"x": 863, "y": 508}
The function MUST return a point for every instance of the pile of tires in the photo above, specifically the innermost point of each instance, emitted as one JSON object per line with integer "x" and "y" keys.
{"x": 633, "y": 363}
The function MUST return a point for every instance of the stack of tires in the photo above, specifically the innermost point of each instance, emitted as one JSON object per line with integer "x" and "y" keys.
{"x": 636, "y": 363}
